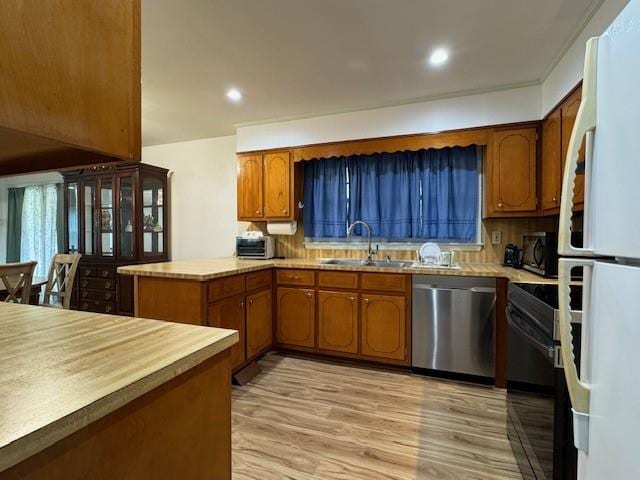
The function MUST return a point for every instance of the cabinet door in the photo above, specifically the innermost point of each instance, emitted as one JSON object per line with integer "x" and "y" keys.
{"x": 569, "y": 112}
{"x": 106, "y": 218}
{"x": 277, "y": 185}
{"x": 511, "y": 179}
{"x": 229, "y": 313}
{"x": 295, "y": 321}
{"x": 551, "y": 161}
{"x": 338, "y": 321}
{"x": 250, "y": 187}
{"x": 384, "y": 327}
{"x": 259, "y": 322}
{"x": 89, "y": 218}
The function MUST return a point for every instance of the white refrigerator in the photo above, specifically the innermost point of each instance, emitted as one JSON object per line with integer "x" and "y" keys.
{"x": 605, "y": 396}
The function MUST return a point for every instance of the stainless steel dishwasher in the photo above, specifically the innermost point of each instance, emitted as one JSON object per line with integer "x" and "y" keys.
{"x": 453, "y": 324}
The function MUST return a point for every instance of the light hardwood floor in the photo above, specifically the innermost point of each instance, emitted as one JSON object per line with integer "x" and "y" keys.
{"x": 303, "y": 419}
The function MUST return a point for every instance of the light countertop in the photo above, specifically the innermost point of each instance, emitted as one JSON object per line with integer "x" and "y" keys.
{"x": 209, "y": 269}
{"x": 61, "y": 370}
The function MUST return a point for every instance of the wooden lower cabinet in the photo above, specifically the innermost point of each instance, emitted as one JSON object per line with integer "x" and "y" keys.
{"x": 338, "y": 321}
{"x": 295, "y": 317}
{"x": 259, "y": 322}
{"x": 229, "y": 313}
{"x": 384, "y": 326}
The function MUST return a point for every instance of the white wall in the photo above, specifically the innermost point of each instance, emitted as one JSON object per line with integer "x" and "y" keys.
{"x": 12, "y": 182}
{"x": 203, "y": 195}
{"x": 568, "y": 71}
{"x": 506, "y": 106}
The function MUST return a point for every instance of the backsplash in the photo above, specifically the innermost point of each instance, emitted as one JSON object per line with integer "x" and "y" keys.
{"x": 512, "y": 230}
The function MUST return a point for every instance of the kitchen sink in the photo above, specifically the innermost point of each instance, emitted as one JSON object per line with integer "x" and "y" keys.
{"x": 364, "y": 263}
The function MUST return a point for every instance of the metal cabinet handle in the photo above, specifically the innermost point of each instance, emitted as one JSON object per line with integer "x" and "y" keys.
{"x": 84, "y": 294}
{"x": 107, "y": 285}
{"x": 84, "y": 283}
{"x": 251, "y": 301}
{"x": 284, "y": 211}
{"x": 105, "y": 273}
{"x": 107, "y": 308}
{"x": 309, "y": 294}
{"x": 366, "y": 300}
{"x": 107, "y": 296}
{"x": 499, "y": 204}
{"x": 352, "y": 299}
{"x": 242, "y": 304}
{"x": 257, "y": 212}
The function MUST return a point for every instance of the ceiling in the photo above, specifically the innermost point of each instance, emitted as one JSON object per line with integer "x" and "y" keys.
{"x": 294, "y": 58}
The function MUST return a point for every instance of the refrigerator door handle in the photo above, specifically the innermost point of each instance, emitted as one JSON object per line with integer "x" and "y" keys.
{"x": 579, "y": 392}
{"x": 585, "y": 122}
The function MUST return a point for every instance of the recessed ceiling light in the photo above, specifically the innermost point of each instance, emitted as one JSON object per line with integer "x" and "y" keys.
{"x": 438, "y": 57}
{"x": 234, "y": 95}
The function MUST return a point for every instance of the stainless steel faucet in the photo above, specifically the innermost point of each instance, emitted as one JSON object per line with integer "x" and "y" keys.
{"x": 370, "y": 251}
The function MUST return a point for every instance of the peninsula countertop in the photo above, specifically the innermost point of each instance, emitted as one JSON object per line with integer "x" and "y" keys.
{"x": 61, "y": 370}
{"x": 209, "y": 269}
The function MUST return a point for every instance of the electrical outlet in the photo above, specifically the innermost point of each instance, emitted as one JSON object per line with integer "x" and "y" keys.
{"x": 496, "y": 237}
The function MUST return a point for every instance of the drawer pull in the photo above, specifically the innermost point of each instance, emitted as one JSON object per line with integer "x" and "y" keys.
{"x": 84, "y": 294}
{"x": 107, "y": 296}
{"x": 84, "y": 305}
{"x": 107, "y": 308}
{"x": 84, "y": 283}
{"x": 107, "y": 284}
{"x": 105, "y": 273}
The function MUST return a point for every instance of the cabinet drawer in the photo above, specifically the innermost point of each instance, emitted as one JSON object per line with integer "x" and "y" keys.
{"x": 87, "y": 271}
{"x": 97, "y": 306}
{"x": 104, "y": 295}
{"x": 226, "y": 287}
{"x": 258, "y": 280}
{"x": 295, "y": 277}
{"x": 98, "y": 283}
{"x": 338, "y": 279}
{"x": 387, "y": 282}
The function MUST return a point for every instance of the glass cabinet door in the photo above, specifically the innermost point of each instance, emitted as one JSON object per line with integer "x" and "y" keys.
{"x": 106, "y": 218}
{"x": 126, "y": 219}
{"x": 73, "y": 233}
{"x": 89, "y": 217}
{"x": 152, "y": 216}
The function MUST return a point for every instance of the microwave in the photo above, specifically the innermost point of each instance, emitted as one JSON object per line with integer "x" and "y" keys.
{"x": 540, "y": 253}
{"x": 256, "y": 248}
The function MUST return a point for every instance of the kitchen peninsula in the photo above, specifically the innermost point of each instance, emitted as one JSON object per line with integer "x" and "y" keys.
{"x": 361, "y": 313}
{"x": 101, "y": 396}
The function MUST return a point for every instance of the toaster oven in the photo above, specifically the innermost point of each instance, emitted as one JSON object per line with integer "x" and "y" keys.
{"x": 256, "y": 248}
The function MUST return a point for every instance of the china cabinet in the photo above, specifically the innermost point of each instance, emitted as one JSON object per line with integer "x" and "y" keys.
{"x": 114, "y": 215}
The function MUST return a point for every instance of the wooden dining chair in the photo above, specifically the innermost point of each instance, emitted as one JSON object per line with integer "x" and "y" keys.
{"x": 16, "y": 279}
{"x": 60, "y": 280}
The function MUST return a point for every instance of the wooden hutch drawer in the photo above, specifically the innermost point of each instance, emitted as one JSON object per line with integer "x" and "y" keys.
{"x": 387, "y": 282}
{"x": 86, "y": 271}
{"x": 97, "y": 283}
{"x": 295, "y": 277}
{"x": 226, "y": 287}
{"x": 104, "y": 295}
{"x": 338, "y": 279}
{"x": 97, "y": 306}
{"x": 258, "y": 280}
{"x": 94, "y": 271}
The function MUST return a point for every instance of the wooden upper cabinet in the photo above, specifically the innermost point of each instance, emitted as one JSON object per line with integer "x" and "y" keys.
{"x": 338, "y": 321}
{"x": 511, "y": 182}
{"x": 295, "y": 320}
{"x": 259, "y": 322}
{"x": 551, "y": 162}
{"x": 250, "y": 187}
{"x": 70, "y": 79}
{"x": 384, "y": 321}
{"x": 569, "y": 112}
{"x": 277, "y": 185}
{"x": 229, "y": 313}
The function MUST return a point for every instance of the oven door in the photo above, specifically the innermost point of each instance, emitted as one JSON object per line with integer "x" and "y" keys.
{"x": 530, "y": 395}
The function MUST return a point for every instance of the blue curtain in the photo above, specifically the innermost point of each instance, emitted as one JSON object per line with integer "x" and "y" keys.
{"x": 450, "y": 195}
{"x": 325, "y": 198}
{"x": 426, "y": 195}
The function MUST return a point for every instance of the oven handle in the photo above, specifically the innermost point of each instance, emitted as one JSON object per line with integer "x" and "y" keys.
{"x": 548, "y": 350}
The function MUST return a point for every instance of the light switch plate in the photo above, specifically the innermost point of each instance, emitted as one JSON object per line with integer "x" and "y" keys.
{"x": 496, "y": 237}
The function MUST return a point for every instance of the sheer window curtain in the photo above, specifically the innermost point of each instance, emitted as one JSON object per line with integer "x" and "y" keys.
{"x": 40, "y": 223}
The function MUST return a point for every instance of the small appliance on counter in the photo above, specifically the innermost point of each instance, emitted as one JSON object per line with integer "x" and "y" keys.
{"x": 540, "y": 253}
{"x": 512, "y": 256}
{"x": 254, "y": 246}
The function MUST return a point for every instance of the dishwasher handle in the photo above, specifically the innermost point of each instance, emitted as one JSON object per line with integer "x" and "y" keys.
{"x": 426, "y": 286}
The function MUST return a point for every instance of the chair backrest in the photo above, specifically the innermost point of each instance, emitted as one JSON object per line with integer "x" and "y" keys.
{"x": 60, "y": 280}
{"x": 16, "y": 279}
